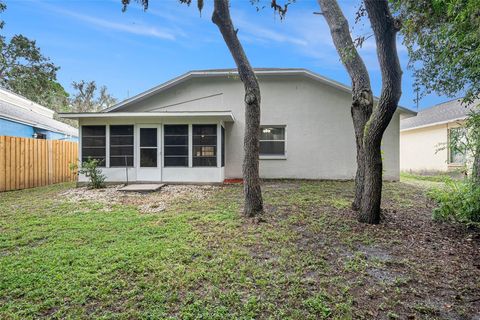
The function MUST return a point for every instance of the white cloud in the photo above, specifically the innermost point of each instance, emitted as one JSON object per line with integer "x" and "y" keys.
{"x": 261, "y": 33}
{"x": 133, "y": 28}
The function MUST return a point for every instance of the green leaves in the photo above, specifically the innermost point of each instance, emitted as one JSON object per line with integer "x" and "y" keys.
{"x": 458, "y": 201}
{"x": 93, "y": 173}
{"x": 443, "y": 41}
{"x": 26, "y": 71}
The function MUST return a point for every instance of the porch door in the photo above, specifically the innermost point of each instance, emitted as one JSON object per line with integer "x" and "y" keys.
{"x": 148, "y": 160}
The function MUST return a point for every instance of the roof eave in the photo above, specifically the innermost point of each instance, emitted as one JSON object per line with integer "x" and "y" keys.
{"x": 433, "y": 124}
{"x": 222, "y": 115}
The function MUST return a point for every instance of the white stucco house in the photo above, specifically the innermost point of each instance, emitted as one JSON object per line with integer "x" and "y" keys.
{"x": 424, "y": 139}
{"x": 190, "y": 130}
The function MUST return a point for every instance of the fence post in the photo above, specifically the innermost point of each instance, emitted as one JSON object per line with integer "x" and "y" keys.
{"x": 3, "y": 156}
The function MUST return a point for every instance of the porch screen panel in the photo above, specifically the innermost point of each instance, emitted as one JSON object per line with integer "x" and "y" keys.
{"x": 175, "y": 146}
{"x": 121, "y": 146}
{"x": 205, "y": 145}
{"x": 223, "y": 147}
{"x": 93, "y": 143}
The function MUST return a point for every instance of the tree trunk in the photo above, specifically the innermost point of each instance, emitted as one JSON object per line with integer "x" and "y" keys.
{"x": 251, "y": 144}
{"x": 476, "y": 167}
{"x": 385, "y": 28}
{"x": 362, "y": 96}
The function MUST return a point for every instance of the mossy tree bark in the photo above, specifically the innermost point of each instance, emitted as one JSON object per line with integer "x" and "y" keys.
{"x": 362, "y": 96}
{"x": 251, "y": 144}
{"x": 385, "y": 28}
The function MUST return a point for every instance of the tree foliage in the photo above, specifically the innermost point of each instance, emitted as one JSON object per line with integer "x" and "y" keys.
{"x": 88, "y": 97}
{"x": 26, "y": 71}
{"x": 91, "y": 170}
{"x": 443, "y": 41}
{"x": 466, "y": 142}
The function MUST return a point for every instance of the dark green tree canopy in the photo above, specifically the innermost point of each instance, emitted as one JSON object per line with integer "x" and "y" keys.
{"x": 443, "y": 40}
{"x": 26, "y": 71}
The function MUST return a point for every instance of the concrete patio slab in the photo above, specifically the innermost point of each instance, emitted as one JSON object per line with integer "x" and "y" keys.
{"x": 142, "y": 187}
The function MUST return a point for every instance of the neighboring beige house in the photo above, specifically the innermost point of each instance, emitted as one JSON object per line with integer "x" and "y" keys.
{"x": 424, "y": 139}
{"x": 190, "y": 129}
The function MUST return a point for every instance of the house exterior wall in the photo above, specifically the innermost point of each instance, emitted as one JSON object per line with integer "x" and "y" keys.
{"x": 320, "y": 137}
{"x": 16, "y": 129}
{"x": 419, "y": 149}
{"x": 423, "y": 150}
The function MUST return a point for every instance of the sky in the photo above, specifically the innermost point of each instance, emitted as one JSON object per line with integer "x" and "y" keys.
{"x": 133, "y": 51}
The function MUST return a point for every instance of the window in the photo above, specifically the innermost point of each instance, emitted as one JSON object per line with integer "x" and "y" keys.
{"x": 93, "y": 143}
{"x": 121, "y": 146}
{"x": 223, "y": 146}
{"x": 272, "y": 141}
{"x": 175, "y": 146}
{"x": 457, "y": 145}
{"x": 205, "y": 145}
{"x": 148, "y": 147}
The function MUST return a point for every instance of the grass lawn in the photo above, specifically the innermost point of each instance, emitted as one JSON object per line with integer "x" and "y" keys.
{"x": 199, "y": 258}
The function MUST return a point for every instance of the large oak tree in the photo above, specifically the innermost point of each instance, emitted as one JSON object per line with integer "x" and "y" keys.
{"x": 222, "y": 19}
{"x": 372, "y": 124}
{"x": 362, "y": 96}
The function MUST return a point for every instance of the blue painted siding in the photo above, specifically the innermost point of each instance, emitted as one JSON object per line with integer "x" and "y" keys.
{"x": 15, "y": 129}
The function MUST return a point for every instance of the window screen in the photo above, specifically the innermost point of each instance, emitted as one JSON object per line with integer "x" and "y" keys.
{"x": 175, "y": 146}
{"x": 223, "y": 147}
{"x": 121, "y": 146}
{"x": 272, "y": 141}
{"x": 93, "y": 143}
{"x": 205, "y": 145}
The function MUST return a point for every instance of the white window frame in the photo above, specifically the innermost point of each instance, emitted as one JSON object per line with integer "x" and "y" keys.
{"x": 449, "y": 149}
{"x": 279, "y": 156}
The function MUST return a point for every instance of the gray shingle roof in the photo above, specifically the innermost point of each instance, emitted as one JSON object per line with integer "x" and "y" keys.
{"x": 440, "y": 113}
{"x": 18, "y": 114}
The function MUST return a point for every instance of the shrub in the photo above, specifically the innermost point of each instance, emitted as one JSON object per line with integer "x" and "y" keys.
{"x": 93, "y": 173}
{"x": 459, "y": 201}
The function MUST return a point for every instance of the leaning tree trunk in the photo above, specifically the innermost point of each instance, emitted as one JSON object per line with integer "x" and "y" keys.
{"x": 362, "y": 96}
{"x": 476, "y": 167}
{"x": 385, "y": 28}
{"x": 251, "y": 144}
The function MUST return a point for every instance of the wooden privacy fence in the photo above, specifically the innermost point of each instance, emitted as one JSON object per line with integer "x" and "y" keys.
{"x": 27, "y": 163}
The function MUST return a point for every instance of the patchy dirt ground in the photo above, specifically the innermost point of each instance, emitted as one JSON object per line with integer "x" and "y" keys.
{"x": 408, "y": 267}
{"x": 78, "y": 253}
{"x": 146, "y": 202}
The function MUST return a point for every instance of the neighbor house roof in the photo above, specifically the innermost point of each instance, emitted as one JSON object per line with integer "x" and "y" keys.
{"x": 227, "y": 72}
{"x": 445, "y": 112}
{"x": 19, "y": 109}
